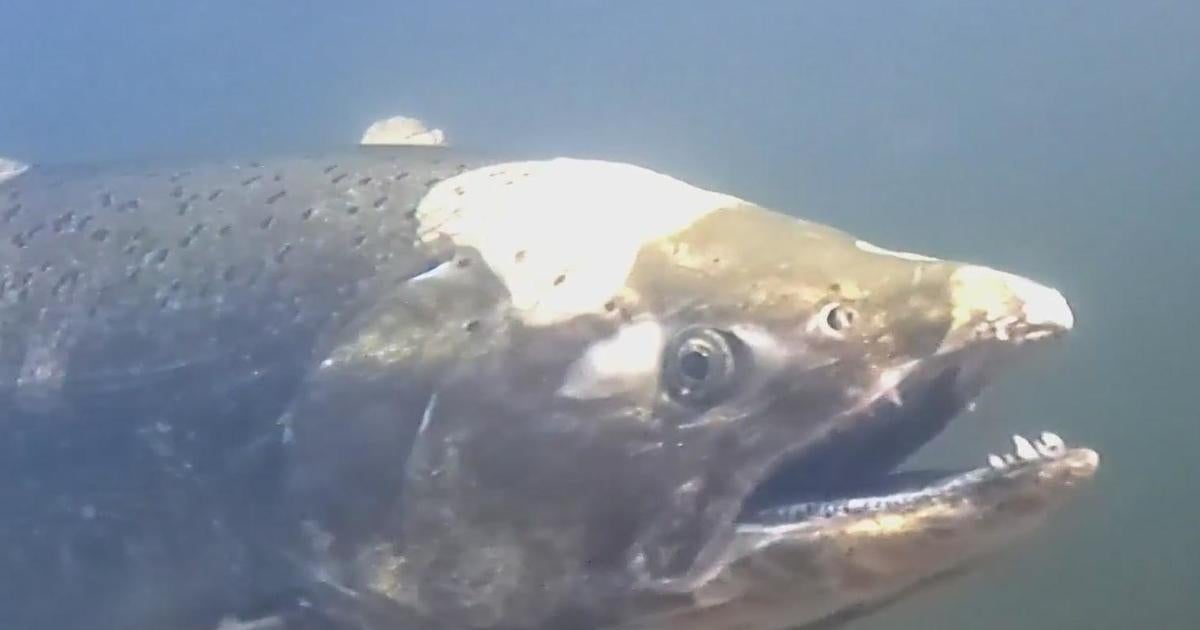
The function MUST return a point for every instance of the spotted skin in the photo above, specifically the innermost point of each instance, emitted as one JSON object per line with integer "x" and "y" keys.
{"x": 154, "y": 322}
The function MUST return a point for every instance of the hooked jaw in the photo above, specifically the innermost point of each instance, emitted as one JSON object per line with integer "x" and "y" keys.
{"x": 793, "y": 572}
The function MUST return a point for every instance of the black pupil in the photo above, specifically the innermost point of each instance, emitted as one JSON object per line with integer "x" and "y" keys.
{"x": 694, "y": 365}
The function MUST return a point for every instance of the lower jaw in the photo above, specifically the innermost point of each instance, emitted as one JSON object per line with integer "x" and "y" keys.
{"x": 900, "y": 489}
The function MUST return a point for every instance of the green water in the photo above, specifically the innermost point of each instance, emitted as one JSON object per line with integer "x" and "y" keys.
{"x": 1060, "y": 140}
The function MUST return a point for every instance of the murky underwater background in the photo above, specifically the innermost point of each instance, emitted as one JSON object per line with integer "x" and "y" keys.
{"x": 1060, "y": 140}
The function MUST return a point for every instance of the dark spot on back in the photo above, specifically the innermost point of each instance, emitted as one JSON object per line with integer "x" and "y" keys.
{"x": 610, "y": 306}
{"x": 463, "y": 263}
{"x": 65, "y": 282}
{"x": 62, "y": 222}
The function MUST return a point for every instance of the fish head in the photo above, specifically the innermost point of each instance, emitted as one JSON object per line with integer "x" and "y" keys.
{"x": 636, "y": 376}
{"x": 797, "y": 359}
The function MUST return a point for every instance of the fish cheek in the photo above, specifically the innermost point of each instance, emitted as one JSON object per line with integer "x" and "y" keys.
{"x": 512, "y": 501}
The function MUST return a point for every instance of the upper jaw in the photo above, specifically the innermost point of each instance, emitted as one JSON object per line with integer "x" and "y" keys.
{"x": 995, "y": 305}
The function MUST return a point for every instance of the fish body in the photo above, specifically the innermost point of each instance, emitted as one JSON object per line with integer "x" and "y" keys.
{"x": 156, "y": 321}
{"x": 408, "y": 387}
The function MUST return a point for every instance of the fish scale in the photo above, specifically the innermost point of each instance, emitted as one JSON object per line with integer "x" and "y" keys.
{"x": 156, "y": 258}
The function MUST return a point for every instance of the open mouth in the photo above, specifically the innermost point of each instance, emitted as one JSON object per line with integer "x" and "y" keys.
{"x": 900, "y": 489}
{"x": 860, "y": 470}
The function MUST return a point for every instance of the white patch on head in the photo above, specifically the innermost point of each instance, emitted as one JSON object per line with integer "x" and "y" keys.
{"x": 622, "y": 362}
{"x": 998, "y": 295}
{"x": 563, "y": 234}
{"x": 875, "y": 249}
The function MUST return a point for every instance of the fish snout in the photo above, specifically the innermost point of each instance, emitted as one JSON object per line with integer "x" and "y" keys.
{"x": 992, "y": 304}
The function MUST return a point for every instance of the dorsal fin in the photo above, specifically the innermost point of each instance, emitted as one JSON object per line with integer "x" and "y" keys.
{"x": 10, "y": 168}
{"x": 401, "y": 131}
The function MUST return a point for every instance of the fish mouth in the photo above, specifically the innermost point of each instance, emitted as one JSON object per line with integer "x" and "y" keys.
{"x": 860, "y": 469}
{"x": 1045, "y": 456}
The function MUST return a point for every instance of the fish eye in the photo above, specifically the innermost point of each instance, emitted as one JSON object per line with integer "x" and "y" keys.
{"x": 701, "y": 365}
{"x": 835, "y": 318}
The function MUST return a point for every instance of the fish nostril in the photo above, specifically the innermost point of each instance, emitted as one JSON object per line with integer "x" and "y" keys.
{"x": 835, "y": 318}
{"x": 840, "y": 318}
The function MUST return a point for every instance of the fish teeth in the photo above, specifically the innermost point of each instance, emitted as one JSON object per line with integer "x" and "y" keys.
{"x": 1025, "y": 449}
{"x": 1052, "y": 440}
{"x": 1047, "y": 446}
